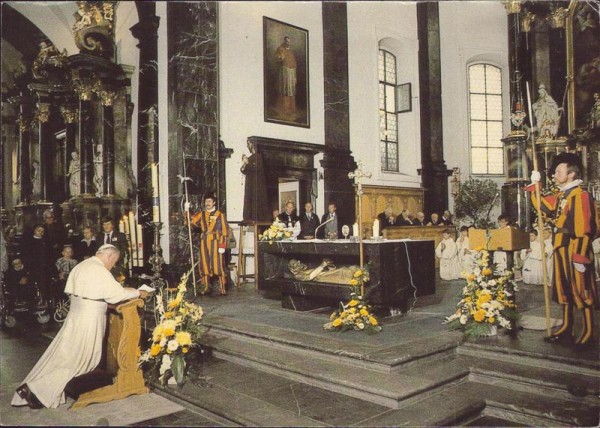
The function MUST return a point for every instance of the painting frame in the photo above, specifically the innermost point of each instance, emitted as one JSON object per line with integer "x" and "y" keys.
{"x": 286, "y": 89}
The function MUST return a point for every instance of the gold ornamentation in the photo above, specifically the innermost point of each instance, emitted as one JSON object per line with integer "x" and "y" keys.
{"x": 69, "y": 115}
{"x": 512, "y": 6}
{"x": 43, "y": 113}
{"x": 23, "y": 123}
{"x": 93, "y": 27}
{"x": 526, "y": 22}
{"x": 49, "y": 55}
{"x": 558, "y": 17}
{"x": 84, "y": 90}
{"x": 106, "y": 97}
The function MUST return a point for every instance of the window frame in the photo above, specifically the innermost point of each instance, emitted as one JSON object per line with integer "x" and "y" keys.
{"x": 385, "y": 143}
{"x": 487, "y": 147}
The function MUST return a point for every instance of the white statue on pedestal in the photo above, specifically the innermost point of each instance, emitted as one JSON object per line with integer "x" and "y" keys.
{"x": 546, "y": 112}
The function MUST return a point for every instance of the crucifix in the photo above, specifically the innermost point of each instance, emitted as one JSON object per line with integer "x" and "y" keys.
{"x": 357, "y": 175}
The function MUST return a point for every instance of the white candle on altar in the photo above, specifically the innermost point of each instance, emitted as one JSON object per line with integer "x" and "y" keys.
{"x": 140, "y": 246}
{"x": 132, "y": 236}
{"x": 355, "y": 229}
{"x": 154, "y": 172}
{"x": 121, "y": 226}
{"x": 375, "y": 228}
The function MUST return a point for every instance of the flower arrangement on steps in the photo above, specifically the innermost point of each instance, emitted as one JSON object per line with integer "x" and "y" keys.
{"x": 487, "y": 300}
{"x": 356, "y": 313}
{"x": 177, "y": 332}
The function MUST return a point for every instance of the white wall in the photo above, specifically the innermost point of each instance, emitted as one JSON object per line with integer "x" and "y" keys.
{"x": 241, "y": 83}
{"x": 470, "y": 32}
{"x": 395, "y": 24}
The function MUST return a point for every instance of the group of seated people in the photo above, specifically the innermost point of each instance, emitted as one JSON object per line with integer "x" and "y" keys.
{"x": 308, "y": 225}
{"x": 456, "y": 258}
{"x": 47, "y": 256}
{"x": 405, "y": 218}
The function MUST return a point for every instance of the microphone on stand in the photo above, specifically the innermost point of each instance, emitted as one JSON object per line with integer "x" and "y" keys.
{"x": 323, "y": 224}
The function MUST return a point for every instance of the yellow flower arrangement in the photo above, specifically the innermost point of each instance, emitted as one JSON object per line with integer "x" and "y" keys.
{"x": 487, "y": 300}
{"x": 354, "y": 315}
{"x": 177, "y": 330}
{"x": 276, "y": 232}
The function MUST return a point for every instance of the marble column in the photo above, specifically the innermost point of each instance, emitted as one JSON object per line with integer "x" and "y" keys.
{"x": 24, "y": 160}
{"x": 145, "y": 31}
{"x": 337, "y": 159}
{"x": 44, "y": 135}
{"x": 515, "y": 201}
{"x": 434, "y": 173}
{"x": 192, "y": 114}
{"x": 107, "y": 98}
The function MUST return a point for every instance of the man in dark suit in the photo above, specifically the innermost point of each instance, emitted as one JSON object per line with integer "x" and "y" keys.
{"x": 55, "y": 234}
{"x": 403, "y": 219}
{"x": 119, "y": 240}
{"x": 309, "y": 221}
{"x": 446, "y": 219}
{"x": 419, "y": 219}
{"x": 386, "y": 219}
{"x": 333, "y": 229}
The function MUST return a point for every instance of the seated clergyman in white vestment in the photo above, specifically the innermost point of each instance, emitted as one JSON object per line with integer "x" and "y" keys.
{"x": 77, "y": 348}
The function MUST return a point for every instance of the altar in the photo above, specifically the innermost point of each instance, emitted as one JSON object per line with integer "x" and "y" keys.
{"x": 399, "y": 270}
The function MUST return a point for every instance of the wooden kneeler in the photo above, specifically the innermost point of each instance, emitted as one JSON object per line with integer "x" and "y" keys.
{"x": 124, "y": 331}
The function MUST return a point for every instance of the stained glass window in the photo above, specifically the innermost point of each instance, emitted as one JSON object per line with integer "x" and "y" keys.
{"x": 388, "y": 118}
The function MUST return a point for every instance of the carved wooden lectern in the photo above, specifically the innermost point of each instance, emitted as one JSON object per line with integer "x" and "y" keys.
{"x": 124, "y": 331}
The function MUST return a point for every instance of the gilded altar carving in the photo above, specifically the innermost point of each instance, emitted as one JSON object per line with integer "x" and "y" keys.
{"x": 70, "y": 115}
{"x": 107, "y": 97}
{"x": 93, "y": 27}
{"x": 84, "y": 90}
{"x": 48, "y": 56}
{"x": 23, "y": 124}
{"x": 43, "y": 113}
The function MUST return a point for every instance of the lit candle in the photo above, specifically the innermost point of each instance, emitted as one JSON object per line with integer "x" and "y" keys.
{"x": 355, "y": 229}
{"x": 121, "y": 226}
{"x": 140, "y": 246}
{"x": 375, "y": 228}
{"x": 126, "y": 223}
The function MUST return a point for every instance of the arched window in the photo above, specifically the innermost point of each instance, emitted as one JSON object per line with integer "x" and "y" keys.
{"x": 388, "y": 118}
{"x": 485, "y": 119}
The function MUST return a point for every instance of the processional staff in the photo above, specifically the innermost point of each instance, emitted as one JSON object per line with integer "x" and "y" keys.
{"x": 538, "y": 208}
{"x": 186, "y": 206}
{"x": 358, "y": 175}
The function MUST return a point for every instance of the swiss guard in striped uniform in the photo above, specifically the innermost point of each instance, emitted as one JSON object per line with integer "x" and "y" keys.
{"x": 213, "y": 241}
{"x": 573, "y": 212}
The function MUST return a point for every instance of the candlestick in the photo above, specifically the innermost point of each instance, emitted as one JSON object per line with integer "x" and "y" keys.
{"x": 355, "y": 229}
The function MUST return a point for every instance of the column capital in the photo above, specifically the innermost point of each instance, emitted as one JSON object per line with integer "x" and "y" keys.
{"x": 84, "y": 89}
{"x": 43, "y": 113}
{"x": 23, "y": 123}
{"x": 69, "y": 114}
{"x": 107, "y": 96}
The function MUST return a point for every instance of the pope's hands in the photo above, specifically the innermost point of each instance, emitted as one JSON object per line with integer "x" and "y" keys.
{"x": 536, "y": 177}
{"x": 579, "y": 267}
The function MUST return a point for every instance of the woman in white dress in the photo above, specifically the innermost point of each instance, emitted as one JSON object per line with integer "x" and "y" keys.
{"x": 532, "y": 260}
{"x": 77, "y": 348}
{"x": 447, "y": 252}
{"x": 465, "y": 255}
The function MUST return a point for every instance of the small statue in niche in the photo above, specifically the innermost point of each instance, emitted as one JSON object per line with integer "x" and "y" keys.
{"x": 546, "y": 112}
{"x": 73, "y": 174}
{"x": 36, "y": 186}
{"x": 83, "y": 17}
{"x": 325, "y": 272}
{"x": 98, "y": 169}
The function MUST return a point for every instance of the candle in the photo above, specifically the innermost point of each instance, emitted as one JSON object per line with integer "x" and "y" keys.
{"x": 140, "y": 246}
{"x": 133, "y": 240}
{"x": 121, "y": 226}
{"x": 155, "y": 210}
{"x": 150, "y": 125}
{"x": 355, "y": 229}
{"x": 126, "y": 224}
{"x": 154, "y": 171}
{"x": 375, "y": 228}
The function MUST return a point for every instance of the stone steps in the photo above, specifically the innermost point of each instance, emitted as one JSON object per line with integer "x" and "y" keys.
{"x": 387, "y": 389}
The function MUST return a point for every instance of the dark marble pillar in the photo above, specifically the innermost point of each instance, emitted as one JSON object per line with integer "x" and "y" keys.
{"x": 192, "y": 113}
{"x": 145, "y": 31}
{"x": 108, "y": 143}
{"x": 25, "y": 185}
{"x": 337, "y": 159}
{"x": 45, "y": 143}
{"x": 434, "y": 173}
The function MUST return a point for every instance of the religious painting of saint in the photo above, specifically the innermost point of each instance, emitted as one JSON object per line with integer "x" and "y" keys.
{"x": 286, "y": 93}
